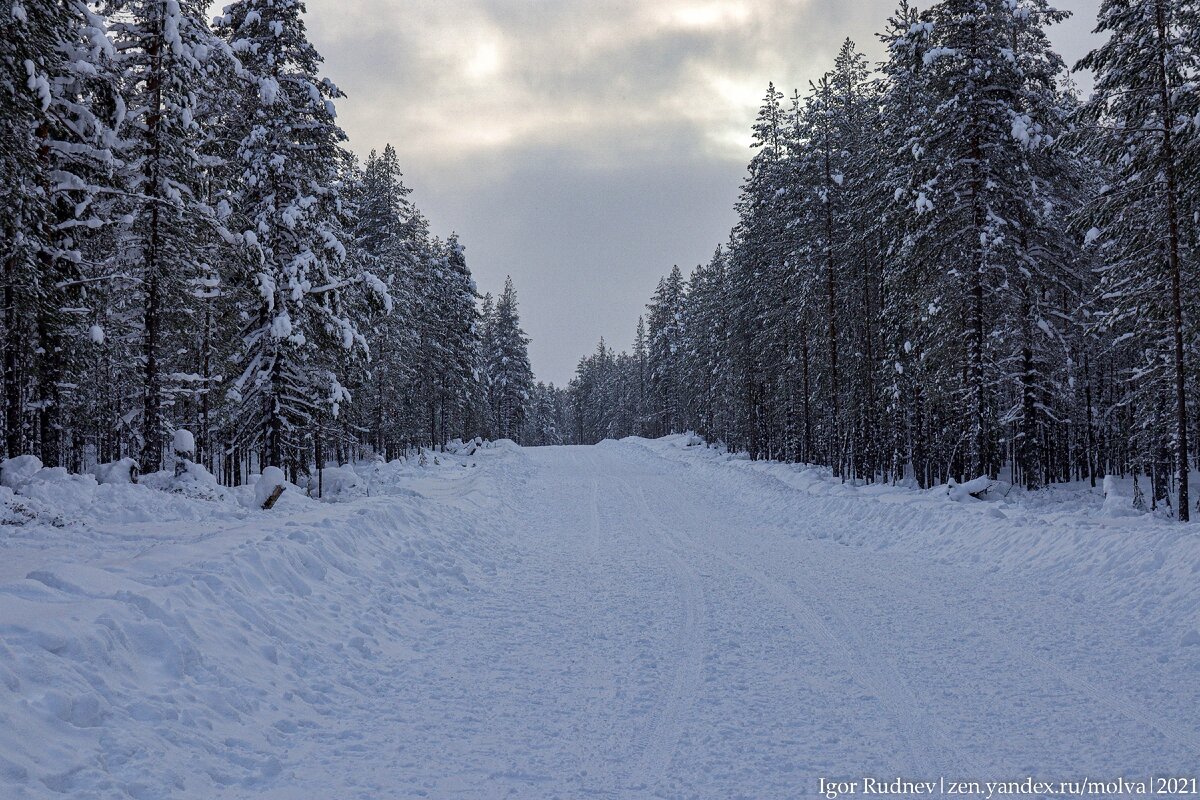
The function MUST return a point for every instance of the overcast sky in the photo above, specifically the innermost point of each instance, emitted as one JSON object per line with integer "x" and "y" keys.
{"x": 583, "y": 146}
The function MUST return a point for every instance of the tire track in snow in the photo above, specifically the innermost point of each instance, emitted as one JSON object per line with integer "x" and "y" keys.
{"x": 660, "y": 738}
{"x": 931, "y": 750}
{"x": 1015, "y": 652}
{"x": 597, "y": 775}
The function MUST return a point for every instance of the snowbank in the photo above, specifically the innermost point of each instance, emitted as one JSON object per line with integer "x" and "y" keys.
{"x": 157, "y": 641}
{"x": 1084, "y": 544}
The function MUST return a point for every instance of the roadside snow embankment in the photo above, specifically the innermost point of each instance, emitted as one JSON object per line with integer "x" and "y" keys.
{"x": 151, "y": 639}
{"x": 1071, "y": 541}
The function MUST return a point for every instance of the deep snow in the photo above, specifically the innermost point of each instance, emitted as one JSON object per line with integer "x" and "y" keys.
{"x": 635, "y": 619}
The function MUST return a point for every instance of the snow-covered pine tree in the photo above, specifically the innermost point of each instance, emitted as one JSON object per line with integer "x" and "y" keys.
{"x": 56, "y": 115}
{"x": 509, "y": 376}
{"x": 458, "y": 313}
{"x": 982, "y": 217}
{"x": 856, "y": 104}
{"x": 757, "y": 250}
{"x": 389, "y": 237}
{"x": 1040, "y": 319}
{"x": 167, "y": 59}
{"x": 836, "y": 261}
{"x": 298, "y": 333}
{"x": 545, "y": 416}
{"x": 706, "y": 352}
{"x": 1144, "y": 104}
{"x": 640, "y": 365}
{"x": 482, "y": 400}
{"x": 911, "y": 285}
{"x": 665, "y": 328}
{"x": 430, "y": 351}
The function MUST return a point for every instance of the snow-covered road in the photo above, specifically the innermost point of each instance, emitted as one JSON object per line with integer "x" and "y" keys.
{"x": 618, "y": 621}
{"x": 672, "y": 631}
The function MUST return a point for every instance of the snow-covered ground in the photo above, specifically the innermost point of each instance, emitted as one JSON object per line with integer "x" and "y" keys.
{"x": 635, "y": 619}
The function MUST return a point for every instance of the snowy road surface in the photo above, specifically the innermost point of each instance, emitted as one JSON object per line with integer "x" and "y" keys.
{"x": 617, "y": 621}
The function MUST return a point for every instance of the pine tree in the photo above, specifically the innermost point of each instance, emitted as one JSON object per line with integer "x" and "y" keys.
{"x": 1144, "y": 101}
{"x": 459, "y": 317}
{"x": 757, "y": 251}
{"x": 297, "y": 331}
{"x": 55, "y": 154}
{"x": 509, "y": 376}
{"x": 167, "y": 59}
{"x": 665, "y": 329}
{"x": 388, "y": 235}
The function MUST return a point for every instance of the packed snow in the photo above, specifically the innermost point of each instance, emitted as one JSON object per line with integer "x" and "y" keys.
{"x": 634, "y": 619}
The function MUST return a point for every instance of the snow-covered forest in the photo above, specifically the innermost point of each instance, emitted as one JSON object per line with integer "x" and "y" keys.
{"x": 894, "y": 501}
{"x": 947, "y": 265}
{"x": 189, "y": 244}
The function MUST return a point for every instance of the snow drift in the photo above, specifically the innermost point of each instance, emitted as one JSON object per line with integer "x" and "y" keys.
{"x": 154, "y": 643}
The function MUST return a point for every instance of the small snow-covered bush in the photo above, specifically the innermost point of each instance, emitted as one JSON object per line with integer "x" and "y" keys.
{"x": 337, "y": 483}
{"x": 981, "y": 488}
{"x": 15, "y": 510}
{"x": 183, "y": 441}
{"x": 123, "y": 471}
{"x": 193, "y": 481}
{"x": 57, "y": 488}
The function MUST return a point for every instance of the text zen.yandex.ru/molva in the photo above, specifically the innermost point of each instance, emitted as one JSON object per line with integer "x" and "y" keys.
{"x": 1024, "y": 787}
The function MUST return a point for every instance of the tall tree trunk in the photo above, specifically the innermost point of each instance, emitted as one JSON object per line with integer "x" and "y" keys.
{"x": 152, "y": 444}
{"x": 1091, "y": 434}
{"x": 975, "y": 321}
{"x": 835, "y": 457}
{"x": 203, "y": 448}
{"x": 1169, "y": 172}
{"x": 50, "y": 370}
{"x": 273, "y": 446}
{"x": 12, "y": 349}
{"x": 807, "y": 392}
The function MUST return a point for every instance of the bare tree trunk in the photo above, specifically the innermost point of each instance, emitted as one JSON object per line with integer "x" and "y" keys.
{"x": 831, "y": 297}
{"x": 1169, "y": 169}
{"x": 12, "y": 347}
{"x": 152, "y": 445}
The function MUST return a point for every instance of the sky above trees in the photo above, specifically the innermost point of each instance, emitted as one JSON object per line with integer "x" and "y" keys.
{"x": 584, "y": 147}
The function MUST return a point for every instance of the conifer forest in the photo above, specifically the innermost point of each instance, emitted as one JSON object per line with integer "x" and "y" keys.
{"x": 946, "y": 265}
{"x": 190, "y": 244}
{"x": 949, "y": 265}
{"x": 313, "y": 484}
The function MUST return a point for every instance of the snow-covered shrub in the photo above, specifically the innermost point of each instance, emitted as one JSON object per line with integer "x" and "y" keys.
{"x": 123, "y": 471}
{"x": 183, "y": 443}
{"x": 981, "y": 488}
{"x": 57, "y": 488}
{"x": 192, "y": 480}
{"x": 1115, "y": 503}
{"x": 337, "y": 483}
{"x": 15, "y": 510}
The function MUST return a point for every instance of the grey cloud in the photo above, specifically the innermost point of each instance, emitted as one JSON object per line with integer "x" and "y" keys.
{"x": 583, "y": 146}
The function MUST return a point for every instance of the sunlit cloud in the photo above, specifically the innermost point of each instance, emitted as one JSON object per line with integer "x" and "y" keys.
{"x": 455, "y": 77}
{"x": 708, "y": 15}
{"x": 581, "y": 145}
